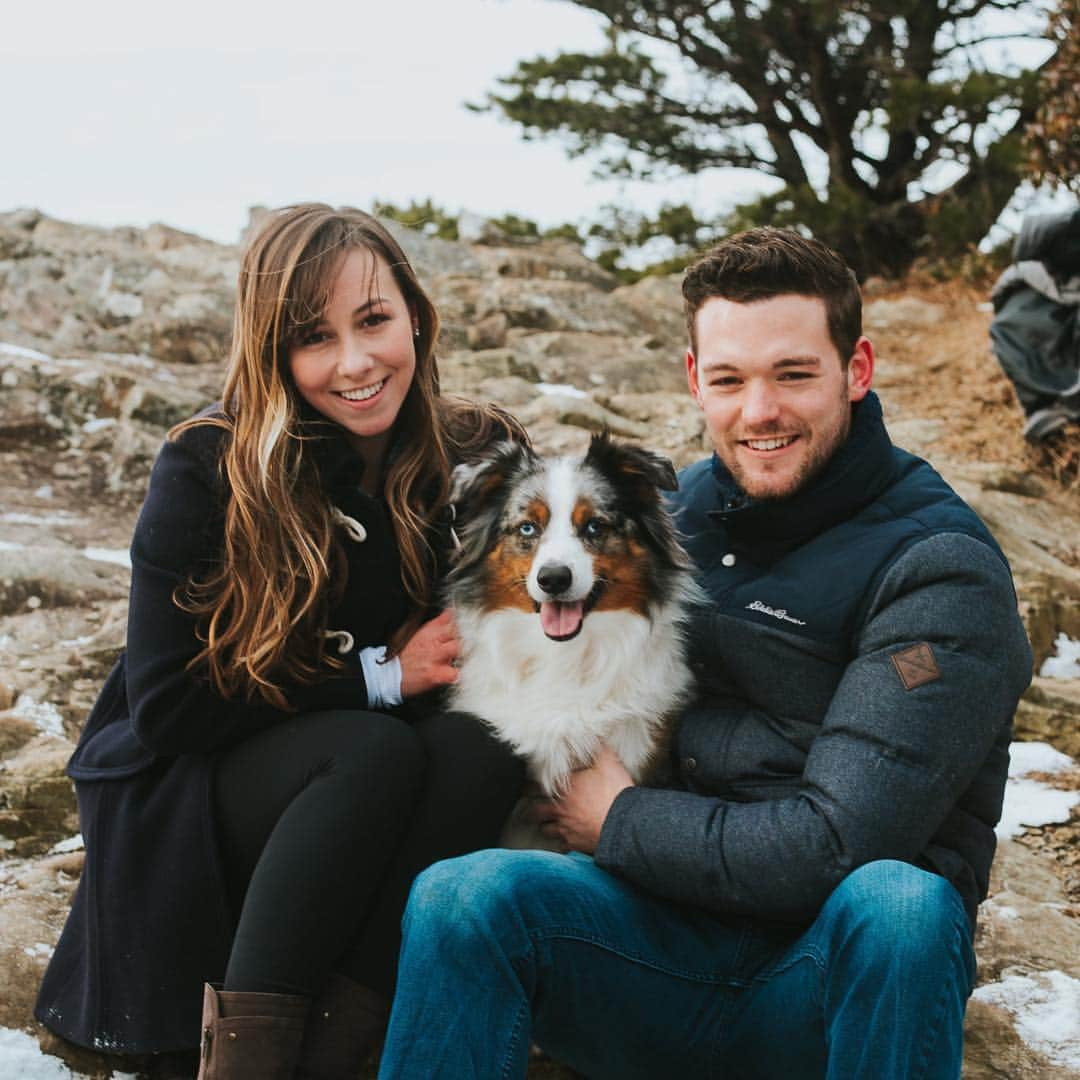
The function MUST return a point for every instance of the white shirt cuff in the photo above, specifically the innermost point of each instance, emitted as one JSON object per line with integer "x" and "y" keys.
{"x": 382, "y": 676}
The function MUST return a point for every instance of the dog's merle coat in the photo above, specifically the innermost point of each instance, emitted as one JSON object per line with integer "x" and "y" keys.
{"x": 571, "y": 593}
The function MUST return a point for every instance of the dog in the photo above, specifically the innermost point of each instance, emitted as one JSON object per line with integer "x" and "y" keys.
{"x": 571, "y": 596}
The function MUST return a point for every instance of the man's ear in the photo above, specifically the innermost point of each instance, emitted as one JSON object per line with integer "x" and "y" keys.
{"x": 860, "y": 372}
{"x": 692, "y": 377}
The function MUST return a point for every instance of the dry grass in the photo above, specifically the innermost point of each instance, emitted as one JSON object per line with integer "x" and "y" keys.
{"x": 960, "y": 382}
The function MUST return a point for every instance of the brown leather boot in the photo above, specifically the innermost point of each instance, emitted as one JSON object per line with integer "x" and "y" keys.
{"x": 345, "y": 1024}
{"x": 247, "y": 1036}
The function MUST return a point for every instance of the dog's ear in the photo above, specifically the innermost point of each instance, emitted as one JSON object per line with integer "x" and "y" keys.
{"x": 638, "y": 473}
{"x": 474, "y": 482}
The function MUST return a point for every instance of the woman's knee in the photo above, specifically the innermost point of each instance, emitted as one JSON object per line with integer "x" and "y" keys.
{"x": 363, "y": 754}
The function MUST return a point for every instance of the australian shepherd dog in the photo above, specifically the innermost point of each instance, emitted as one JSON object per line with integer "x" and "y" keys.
{"x": 571, "y": 595}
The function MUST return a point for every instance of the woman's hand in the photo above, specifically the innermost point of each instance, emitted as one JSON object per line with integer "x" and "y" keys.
{"x": 427, "y": 661}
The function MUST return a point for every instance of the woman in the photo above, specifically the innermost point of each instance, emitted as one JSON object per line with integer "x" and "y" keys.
{"x": 262, "y": 776}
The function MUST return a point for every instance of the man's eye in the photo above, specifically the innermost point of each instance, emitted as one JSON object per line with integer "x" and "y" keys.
{"x": 528, "y": 530}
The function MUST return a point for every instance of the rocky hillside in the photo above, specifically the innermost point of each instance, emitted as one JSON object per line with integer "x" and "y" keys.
{"x": 109, "y": 336}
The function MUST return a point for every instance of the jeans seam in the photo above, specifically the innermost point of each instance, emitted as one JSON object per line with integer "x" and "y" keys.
{"x": 934, "y": 1027}
{"x": 575, "y": 934}
{"x": 511, "y": 1046}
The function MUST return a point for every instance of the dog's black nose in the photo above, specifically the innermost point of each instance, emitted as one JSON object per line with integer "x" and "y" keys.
{"x": 554, "y": 578}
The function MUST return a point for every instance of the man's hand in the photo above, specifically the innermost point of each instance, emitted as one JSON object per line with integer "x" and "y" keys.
{"x": 577, "y": 817}
{"x": 427, "y": 661}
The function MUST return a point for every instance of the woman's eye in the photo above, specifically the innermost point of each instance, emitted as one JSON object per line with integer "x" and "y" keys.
{"x": 312, "y": 337}
{"x": 374, "y": 318}
{"x": 528, "y": 530}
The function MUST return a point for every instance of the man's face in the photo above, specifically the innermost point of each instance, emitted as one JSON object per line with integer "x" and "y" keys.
{"x": 776, "y": 397}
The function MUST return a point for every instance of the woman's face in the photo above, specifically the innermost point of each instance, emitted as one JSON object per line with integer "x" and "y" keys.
{"x": 356, "y": 365}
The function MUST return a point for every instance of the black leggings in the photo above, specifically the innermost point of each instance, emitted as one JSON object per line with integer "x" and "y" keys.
{"x": 325, "y": 820}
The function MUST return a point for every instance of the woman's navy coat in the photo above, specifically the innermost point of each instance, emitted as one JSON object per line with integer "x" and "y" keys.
{"x": 150, "y": 921}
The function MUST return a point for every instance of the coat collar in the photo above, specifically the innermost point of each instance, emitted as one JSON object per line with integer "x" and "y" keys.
{"x": 855, "y": 475}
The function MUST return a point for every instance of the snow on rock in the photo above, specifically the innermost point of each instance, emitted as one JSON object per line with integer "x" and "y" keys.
{"x": 21, "y": 1057}
{"x": 1029, "y": 757}
{"x": 1066, "y": 664}
{"x": 1029, "y": 803}
{"x": 119, "y": 556}
{"x": 1045, "y": 1007}
{"x": 47, "y": 717}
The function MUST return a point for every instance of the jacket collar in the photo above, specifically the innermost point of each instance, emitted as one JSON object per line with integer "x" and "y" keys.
{"x": 855, "y": 475}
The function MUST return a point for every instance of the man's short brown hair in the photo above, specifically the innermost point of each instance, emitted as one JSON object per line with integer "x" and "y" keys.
{"x": 767, "y": 262}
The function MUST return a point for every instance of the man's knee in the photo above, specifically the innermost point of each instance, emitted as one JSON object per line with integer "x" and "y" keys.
{"x": 485, "y": 894}
{"x": 897, "y": 910}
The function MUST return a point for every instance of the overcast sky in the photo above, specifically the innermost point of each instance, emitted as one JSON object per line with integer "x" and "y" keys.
{"x": 124, "y": 112}
{"x": 130, "y": 111}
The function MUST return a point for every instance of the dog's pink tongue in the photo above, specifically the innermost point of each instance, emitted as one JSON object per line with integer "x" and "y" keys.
{"x": 561, "y": 619}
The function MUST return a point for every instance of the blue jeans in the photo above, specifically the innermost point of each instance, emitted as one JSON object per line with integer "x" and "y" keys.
{"x": 504, "y": 948}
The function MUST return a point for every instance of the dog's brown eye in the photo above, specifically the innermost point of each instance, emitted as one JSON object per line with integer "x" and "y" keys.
{"x": 594, "y": 527}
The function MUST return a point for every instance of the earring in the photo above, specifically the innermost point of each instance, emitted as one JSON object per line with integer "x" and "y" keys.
{"x": 416, "y": 331}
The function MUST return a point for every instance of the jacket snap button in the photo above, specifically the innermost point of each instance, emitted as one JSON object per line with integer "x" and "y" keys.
{"x": 232, "y": 1035}
{"x": 690, "y": 764}
{"x": 728, "y": 560}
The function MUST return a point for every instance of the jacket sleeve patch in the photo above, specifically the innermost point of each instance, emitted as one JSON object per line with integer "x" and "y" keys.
{"x": 916, "y": 666}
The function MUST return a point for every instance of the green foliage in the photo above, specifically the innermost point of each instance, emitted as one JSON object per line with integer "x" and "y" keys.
{"x": 424, "y": 216}
{"x": 885, "y": 92}
{"x": 1052, "y": 140}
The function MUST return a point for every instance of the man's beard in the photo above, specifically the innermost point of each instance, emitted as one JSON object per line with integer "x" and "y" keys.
{"x": 815, "y": 463}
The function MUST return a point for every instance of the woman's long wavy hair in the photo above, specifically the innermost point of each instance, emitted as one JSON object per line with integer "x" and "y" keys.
{"x": 262, "y": 611}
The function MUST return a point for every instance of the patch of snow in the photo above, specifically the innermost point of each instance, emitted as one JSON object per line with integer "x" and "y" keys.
{"x": 46, "y": 717}
{"x": 1046, "y": 1010}
{"x": 38, "y": 949}
{"x": 565, "y": 389}
{"x": 20, "y": 1056}
{"x": 44, "y": 492}
{"x": 1029, "y": 803}
{"x": 98, "y": 424}
{"x": 1029, "y": 757}
{"x": 76, "y": 642}
{"x": 6, "y": 349}
{"x": 1000, "y": 911}
{"x": 1066, "y": 664}
{"x": 119, "y": 556}
{"x": 72, "y": 843}
{"x": 7, "y": 545}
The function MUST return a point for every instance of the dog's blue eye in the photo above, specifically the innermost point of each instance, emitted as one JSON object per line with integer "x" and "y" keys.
{"x": 527, "y": 529}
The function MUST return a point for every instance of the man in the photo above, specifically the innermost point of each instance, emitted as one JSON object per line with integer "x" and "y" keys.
{"x": 801, "y": 902}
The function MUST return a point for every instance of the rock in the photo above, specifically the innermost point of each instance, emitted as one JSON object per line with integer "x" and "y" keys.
{"x": 580, "y": 412}
{"x": 1050, "y": 712}
{"x": 52, "y": 575}
{"x": 901, "y": 313}
{"x": 37, "y": 801}
{"x": 556, "y": 305}
{"x": 489, "y": 332}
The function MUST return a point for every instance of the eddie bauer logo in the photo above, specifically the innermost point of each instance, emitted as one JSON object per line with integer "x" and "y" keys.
{"x": 776, "y": 613}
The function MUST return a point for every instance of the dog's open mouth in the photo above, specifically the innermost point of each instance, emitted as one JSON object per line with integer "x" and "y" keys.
{"x": 562, "y": 620}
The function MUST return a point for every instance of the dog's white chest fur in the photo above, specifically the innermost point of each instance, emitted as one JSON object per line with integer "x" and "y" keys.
{"x": 555, "y": 702}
